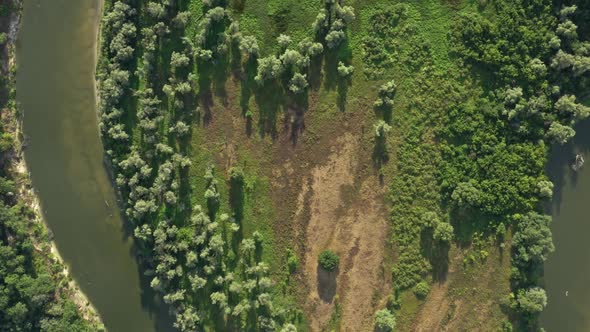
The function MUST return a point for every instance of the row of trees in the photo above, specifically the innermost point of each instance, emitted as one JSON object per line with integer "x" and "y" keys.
{"x": 209, "y": 275}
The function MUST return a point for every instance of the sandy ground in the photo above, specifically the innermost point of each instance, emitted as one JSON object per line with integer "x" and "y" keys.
{"x": 347, "y": 216}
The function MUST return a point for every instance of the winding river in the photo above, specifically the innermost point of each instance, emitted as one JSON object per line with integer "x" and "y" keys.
{"x": 567, "y": 271}
{"x": 55, "y": 84}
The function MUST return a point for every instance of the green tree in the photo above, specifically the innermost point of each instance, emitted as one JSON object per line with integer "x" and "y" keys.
{"x": 545, "y": 188}
{"x": 467, "y": 194}
{"x": 344, "y": 70}
{"x": 298, "y": 83}
{"x": 421, "y": 290}
{"x": 443, "y": 232}
{"x": 559, "y": 133}
{"x": 249, "y": 45}
{"x": 532, "y": 300}
{"x": 532, "y": 240}
{"x": 269, "y": 68}
{"x": 384, "y": 321}
{"x": 328, "y": 260}
{"x": 283, "y": 41}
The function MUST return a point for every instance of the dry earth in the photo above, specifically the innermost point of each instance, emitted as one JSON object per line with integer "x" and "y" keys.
{"x": 347, "y": 215}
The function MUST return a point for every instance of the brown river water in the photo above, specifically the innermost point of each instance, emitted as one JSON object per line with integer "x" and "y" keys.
{"x": 567, "y": 271}
{"x": 55, "y": 84}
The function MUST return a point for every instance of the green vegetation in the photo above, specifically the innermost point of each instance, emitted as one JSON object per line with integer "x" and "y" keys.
{"x": 464, "y": 99}
{"x": 384, "y": 321}
{"x": 35, "y": 295}
{"x": 328, "y": 260}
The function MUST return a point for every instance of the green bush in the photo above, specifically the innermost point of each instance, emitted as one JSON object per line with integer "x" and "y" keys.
{"x": 328, "y": 260}
{"x": 384, "y": 321}
{"x": 292, "y": 261}
{"x": 422, "y": 289}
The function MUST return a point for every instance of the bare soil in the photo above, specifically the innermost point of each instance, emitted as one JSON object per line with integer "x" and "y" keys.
{"x": 353, "y": 223}
{"x": 325, "y": 194}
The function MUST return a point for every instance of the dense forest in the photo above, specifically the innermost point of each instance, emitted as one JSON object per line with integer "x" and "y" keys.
{"x": 35, "y": 295}
{"x": 463, "y": 100}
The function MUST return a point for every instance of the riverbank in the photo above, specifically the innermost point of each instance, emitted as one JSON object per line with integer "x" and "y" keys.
{"x": 17, "y": 170}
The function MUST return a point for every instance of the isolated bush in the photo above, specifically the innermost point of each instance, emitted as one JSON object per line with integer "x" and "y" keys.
{"x": 328, "y": 260}
{"x": 384, "y": 321}
{"x": 292, "y": 261}
{"x": 421, "y": 290}
{"x": 381, "y": 129}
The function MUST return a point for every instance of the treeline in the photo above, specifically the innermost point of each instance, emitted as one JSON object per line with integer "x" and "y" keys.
{"x": 34, "y": 293}
{"x": 155, "y": 80}
{"x": 494, "y": 154}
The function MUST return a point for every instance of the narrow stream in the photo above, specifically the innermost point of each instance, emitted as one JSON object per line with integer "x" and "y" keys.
{"x": 55, "y": 84}
{"x": 567, "y": 271}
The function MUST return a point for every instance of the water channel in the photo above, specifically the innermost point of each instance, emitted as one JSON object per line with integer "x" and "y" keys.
{"x": 567, "y": 271}
{"x": 55, "y": 83}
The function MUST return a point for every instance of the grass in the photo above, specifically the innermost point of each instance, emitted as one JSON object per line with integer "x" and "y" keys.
{"x": 427, "y": 77}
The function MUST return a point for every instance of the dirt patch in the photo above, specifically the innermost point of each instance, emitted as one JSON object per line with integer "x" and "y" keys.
{"x": 347, "y": 215}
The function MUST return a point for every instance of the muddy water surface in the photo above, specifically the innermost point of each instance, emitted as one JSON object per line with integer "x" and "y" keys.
{"x": 55, "y": 84}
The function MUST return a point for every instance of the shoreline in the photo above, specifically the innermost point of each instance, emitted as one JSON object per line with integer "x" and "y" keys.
{"x": 26, "y": 191}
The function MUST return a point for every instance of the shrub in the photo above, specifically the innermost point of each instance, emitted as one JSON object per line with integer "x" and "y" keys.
{"x": 328, "y": 260}
{"x": 443, "y": 231}
{"x": 384, "y": 321}
{"x": 292, "y": 261}
{"x": 421, "y": 290}
{"x": 532, "y": 301}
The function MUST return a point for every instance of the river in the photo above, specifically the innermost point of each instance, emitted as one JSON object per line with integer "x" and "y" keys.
{"x": 55, "y": 89}
{"x": 567, "y": 271}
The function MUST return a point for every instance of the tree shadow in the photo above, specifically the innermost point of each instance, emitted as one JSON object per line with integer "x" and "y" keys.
{"x": 315, "y": 73}
{"x": 380, "y": 153}
{"x": 270, "y": 99}
{"x": 219, "y": 77}
{"x": 246, "y": 89}
{"x": 326, "y": 281}
{"x": 205, "y": 100}
{"x": 343, "y": 85}
{"x": 236, "y": 59}
{"x": 437, "y": 253}
{"x": 295, "y": 121}
{"x": 330, "y": 69}
{"x": 236, "y": 198}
